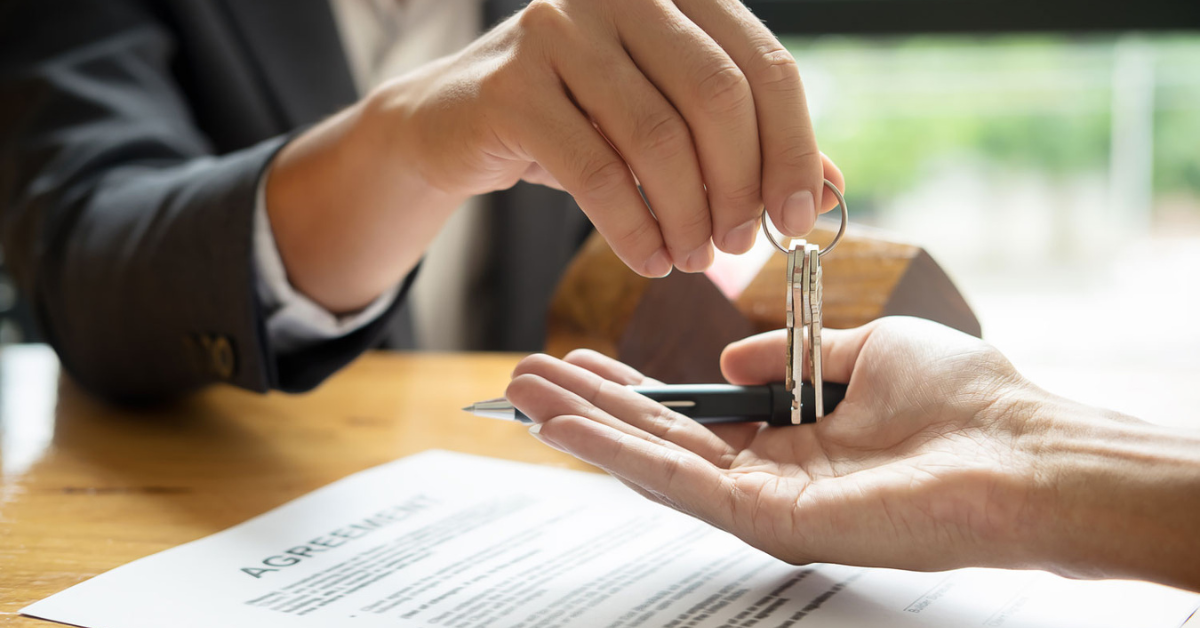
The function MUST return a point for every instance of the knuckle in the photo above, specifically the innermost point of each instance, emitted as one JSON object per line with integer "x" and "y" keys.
{"x": 630, "y": 236}
{"x": 741, "y": 198}
{"x": 663, "y": 135}
{"x": 672, "y": 464}
{"x": 699, "y": 222}
{"x": 690, "y": 230}
{"x": 602, "y": 179}
{"x": 543, "y": 16}
{"x": 799, "y": 154}
{"x": 723, "y": 89}
{"x": 658, "y": 422}
{"x": 673, "y": 427}
{"x": 619, "y": 451}
{"x": 776, "y": 68}
{"x": 602, "y": 389}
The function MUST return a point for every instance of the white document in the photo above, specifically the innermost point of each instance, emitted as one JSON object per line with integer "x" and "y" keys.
{"x": 450, "y": 540}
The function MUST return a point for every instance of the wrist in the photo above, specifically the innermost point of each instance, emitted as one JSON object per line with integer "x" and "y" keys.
{"x": 349, "y": 209}
{"x": 434, "y": 121}
{"x": 1111, "y": 496}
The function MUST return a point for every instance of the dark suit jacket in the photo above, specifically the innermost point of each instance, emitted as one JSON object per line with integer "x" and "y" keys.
{"x": 132, "y": 137}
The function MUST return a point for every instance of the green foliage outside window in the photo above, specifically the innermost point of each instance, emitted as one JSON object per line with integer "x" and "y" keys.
{"x": 889, "y": 110}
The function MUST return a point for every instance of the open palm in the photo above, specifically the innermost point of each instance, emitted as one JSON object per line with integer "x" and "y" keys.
{"x": 924, "y": 465}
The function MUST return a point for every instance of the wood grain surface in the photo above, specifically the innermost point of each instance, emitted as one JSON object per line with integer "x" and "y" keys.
{"x": 89, "y": 487}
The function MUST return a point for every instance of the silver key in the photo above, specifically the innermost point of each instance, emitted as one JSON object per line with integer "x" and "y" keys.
{"x": 813, "y": 276}
{"x": 803, "y": 335}
{"x": 795, "y": 318}
{"x": 803, "y": 307}
{"x": 804, "y": 314}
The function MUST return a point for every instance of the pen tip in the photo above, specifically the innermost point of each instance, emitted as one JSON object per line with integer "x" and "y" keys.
{"x": 470, "y": 408}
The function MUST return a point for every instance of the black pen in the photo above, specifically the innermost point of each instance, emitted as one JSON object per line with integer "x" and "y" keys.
{"x": 707, "y": 403}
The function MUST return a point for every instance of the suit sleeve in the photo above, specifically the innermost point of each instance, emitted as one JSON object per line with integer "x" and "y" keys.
{"x": 131, "y": 240}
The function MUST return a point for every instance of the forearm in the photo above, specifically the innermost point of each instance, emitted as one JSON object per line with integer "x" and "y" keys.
{"x": 350, "y": 210}
{"x": 1118, "y": 497}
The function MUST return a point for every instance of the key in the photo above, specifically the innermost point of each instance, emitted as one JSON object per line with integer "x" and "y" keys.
{"x": 795, "y": 315}
{"x": 805, "y": 301}
{"x": 804, "y": 342}
{"x": 803, "y": 262}
{"x": 813, "y": 289}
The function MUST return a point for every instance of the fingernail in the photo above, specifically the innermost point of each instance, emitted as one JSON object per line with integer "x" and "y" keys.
{"x": 659, "y": 264}
{"x": 799, "y": 213}
{"x": 535, "y": 431}
{"x": 698, "y": 260}
{"x": 741, "y": 238}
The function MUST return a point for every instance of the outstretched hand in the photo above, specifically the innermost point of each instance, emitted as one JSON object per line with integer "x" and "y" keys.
{"x": 927, "y": 464}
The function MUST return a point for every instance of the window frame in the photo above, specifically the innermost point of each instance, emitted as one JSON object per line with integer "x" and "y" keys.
{"x": 896, "y": 17}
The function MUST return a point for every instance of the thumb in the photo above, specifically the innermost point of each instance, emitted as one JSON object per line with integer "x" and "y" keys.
{"x": 761, "y": 359}
{"x": 834, "y": 175}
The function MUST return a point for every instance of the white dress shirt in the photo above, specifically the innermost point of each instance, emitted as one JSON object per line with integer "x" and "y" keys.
{"x": 383, "y": 39}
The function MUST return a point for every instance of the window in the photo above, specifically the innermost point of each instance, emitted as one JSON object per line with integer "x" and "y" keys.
{"x": 1056, "y": 178}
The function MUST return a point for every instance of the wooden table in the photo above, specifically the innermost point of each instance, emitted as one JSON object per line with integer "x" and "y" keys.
{"x": 86, "y": 487}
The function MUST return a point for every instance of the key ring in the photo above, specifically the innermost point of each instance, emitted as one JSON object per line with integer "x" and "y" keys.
{"x": 841, "y": 229}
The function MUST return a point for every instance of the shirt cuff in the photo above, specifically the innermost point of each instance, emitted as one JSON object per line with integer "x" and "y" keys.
{"x": 295, "y": 322}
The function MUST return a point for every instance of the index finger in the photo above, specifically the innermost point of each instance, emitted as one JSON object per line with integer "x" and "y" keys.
{"x": 609, "y": 368}
{"x": 793, "y": 174}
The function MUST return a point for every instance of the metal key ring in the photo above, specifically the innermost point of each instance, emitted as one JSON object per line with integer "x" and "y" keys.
{"x": 841, "y": 229}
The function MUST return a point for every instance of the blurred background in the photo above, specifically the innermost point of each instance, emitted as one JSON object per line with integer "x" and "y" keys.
{"x": 1055, "y": 177}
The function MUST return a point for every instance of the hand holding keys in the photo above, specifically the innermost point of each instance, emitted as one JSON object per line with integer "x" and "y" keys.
{"x": 804, "y": 313}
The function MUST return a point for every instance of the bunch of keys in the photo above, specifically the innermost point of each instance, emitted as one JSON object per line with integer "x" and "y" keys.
{"x": 804, "y": 313}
